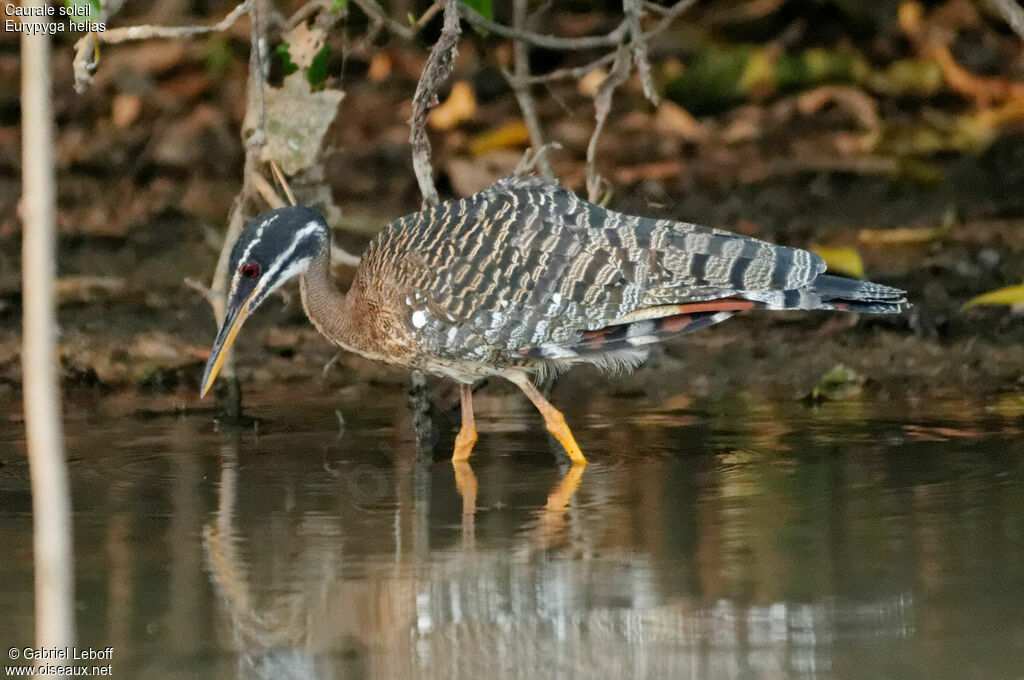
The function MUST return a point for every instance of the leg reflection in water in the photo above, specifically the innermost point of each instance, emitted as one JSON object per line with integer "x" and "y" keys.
{"x": 551, "y": 521}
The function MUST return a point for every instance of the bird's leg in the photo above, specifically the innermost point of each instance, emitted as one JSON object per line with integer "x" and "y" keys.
{"x": 467, "y": 435}
{"x": 553, "y": 418}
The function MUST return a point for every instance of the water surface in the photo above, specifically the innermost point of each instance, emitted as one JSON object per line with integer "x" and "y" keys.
{"x": 708, "y": 539}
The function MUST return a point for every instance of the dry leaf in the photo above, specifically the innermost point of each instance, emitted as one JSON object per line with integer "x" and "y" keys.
{"x": 508, "y": 135}
{"x": 296, "y": 120}
{"x": 589, "y": 83}
{"x": 380, "y": 67}
{"x": 1011, "y": 295}
{"x": 842, "y": 260}
{"x": 124, "y": 110}
{"x": 673, "y": 119}
{"x": 304, "y": 43}
{"x": 902, "y": 235}
{"x": 460, "y": 106}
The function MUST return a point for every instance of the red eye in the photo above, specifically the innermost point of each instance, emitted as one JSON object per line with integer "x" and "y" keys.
{"x": 250, "y": 270}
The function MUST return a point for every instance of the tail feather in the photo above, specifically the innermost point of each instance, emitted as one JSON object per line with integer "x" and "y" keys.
{"x": 631, "y": 335}
{"x": 655, "y": 324}
{"x": 834, "y": 292}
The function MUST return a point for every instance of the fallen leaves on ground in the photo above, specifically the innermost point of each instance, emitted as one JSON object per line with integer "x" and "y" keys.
{"x": 458, "y": 108}
{"x": 1011, "y": 295}
{"x": 512, "y": 134}
{"x": 845, "y": 261}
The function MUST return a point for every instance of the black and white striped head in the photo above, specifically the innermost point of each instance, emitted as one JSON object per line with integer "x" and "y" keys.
{"x": 273, "y": 248}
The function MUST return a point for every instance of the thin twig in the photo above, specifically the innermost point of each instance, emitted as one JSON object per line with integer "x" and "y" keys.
{"x": 634, "y": 11}
{"x": 338, "y": 254}
{"x": 519, "y": 82}
{"x": 668, "y": 16}
{"x": 283, "y": 181}
{"x": 44, "y": 433}
{"x": 269, "y": 194}
{"x": 602, "y": 107}
{"x": 377, "y": 14}
{"x": 341, "y": 256}
{"x": 254, "y": 137}
{"x": 614, "y": 37}
{"x": 1013, "y": 14}
{"x": 571, "y": 73}
{"x": 435, "y": 74}
{"x": 257, "y": 68}
{"x": 87, "y": 48}
{"x": 198, "y": 287}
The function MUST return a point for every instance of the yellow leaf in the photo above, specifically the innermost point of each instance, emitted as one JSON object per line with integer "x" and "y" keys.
{"x": 1011, "y": 295}
{"x": 589, "y": 83}
{"x": 508, "y": 135}
{"x": 459, "y": 107}
{"x": 842, "y": 260}
{"x": 1008, "y": 406}
{"x": 380, "y": 67}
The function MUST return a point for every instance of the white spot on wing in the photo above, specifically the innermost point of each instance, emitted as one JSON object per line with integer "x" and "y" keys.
{"x": 419, "y": 318}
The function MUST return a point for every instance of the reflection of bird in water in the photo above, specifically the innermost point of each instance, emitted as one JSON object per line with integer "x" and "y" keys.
{"x": 525, "y": 278}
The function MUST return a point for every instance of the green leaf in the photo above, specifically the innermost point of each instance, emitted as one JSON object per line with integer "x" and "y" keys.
{"x": 282, "y": 53}
{"x": 316, "y": 74}
{"x": 481, "y": 7}
{"x": 338, "y": 4}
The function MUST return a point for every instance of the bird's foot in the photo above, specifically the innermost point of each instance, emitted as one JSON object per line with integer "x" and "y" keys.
{"x": 464, "y": 442}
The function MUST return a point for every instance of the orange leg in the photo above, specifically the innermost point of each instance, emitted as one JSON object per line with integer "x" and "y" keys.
{"x": 553, "y": 418}
{"x": 467, "y": 435}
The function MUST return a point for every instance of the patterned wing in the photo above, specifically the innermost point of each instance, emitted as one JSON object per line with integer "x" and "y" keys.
{"x": 526, "y": 264}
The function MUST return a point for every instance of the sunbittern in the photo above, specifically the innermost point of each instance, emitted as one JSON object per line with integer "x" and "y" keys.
{"x": 523, "y": 278}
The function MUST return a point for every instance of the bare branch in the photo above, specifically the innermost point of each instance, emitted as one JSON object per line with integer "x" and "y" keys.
{"x": 634, "y": 11}
{"x": 602, "y": 107}
{"x": 1013, "y": 14}
{"x": 198, "y": 287}
{"x": 519, "y": 81}
{"x": 87, "y": 49}
{"x": 540, "y": 40}
{"x": 341, "y": 256}
{"x": 377, "y": 14}
{"x": 435, "y": 73}
{"x": 44, "y": 433}
{"x": 283, "y": 181}
{"x": 571, "y": 72}
{"x": 257, "y": 69}
{"x": 254, "y": 138}
{"x": 668, "y": 16}
{"x": 269, "y": 194}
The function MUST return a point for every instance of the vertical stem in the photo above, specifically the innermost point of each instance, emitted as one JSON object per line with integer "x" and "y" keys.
{"x": 435, "y": 74}
{"x": 253, "y": 137}
{"x": 521, "y": 87}
{"x": 51, "y": 505}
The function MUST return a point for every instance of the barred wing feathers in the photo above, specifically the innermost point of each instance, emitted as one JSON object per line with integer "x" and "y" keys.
{"x": 525, "y": 268}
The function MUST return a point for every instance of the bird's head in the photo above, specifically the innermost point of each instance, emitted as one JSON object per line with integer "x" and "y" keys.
{"x": 273, "y": 248}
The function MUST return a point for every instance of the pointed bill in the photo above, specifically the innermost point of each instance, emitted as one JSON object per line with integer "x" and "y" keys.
{"x": 225, "y": 337}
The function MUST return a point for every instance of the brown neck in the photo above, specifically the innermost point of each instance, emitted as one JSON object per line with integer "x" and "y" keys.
{"x": 325, "y": 305}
